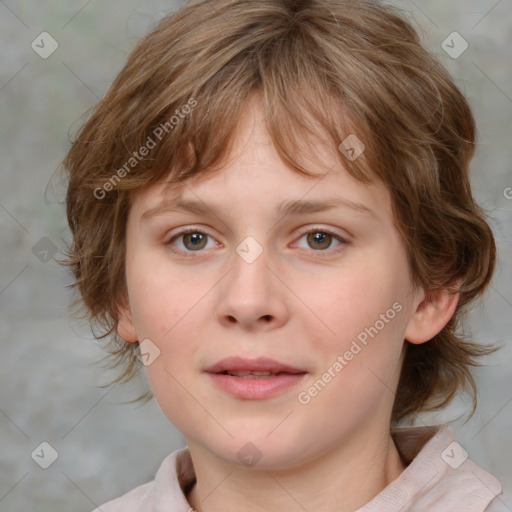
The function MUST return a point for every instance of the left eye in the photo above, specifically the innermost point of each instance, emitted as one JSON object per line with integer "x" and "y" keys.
{"x": 193, "y": 240}
{"x": 321, "y": 239}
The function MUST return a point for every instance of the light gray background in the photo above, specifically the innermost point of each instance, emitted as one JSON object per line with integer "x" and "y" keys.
{"x": 49, "y": 389}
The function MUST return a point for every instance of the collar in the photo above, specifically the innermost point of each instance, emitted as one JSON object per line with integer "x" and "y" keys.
{"x": 439, "y": 478}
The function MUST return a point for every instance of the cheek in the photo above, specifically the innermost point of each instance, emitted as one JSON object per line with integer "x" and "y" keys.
{"x": 174, "y": 391}
{"x": 166, "y": 307}
{"x": 160, "y": 299}
{"x": 361, "y": 316}
{"x": 358, "y": 366}
{"x": 355, "y": 298}
{"x": 164, "y": 313}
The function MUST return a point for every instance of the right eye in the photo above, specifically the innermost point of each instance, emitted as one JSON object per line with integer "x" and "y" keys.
{"x": 193, "y": 240}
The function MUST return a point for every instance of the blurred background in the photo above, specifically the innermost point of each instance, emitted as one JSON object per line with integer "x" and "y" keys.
{"x": 50, "y": 376}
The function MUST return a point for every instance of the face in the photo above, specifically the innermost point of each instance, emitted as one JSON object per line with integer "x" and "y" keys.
{"x": 324, "y": 290}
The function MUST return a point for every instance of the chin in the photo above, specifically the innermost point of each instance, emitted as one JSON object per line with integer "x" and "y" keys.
{"x": 261, "y": 452}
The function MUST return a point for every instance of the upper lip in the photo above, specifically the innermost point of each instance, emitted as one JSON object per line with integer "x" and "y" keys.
{"x": 260, "y": 364}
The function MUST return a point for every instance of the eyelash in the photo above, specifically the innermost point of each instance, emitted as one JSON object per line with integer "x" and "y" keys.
{"x": 189, "y": 254}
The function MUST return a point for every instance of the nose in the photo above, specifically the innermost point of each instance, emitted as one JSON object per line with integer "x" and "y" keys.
{"x": 252, "y": 297}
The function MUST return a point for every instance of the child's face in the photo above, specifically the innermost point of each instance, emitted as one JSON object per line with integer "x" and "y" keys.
{"x": 303, "y": 301}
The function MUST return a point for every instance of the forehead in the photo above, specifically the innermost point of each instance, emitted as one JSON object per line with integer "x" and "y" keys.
{"x": 254, "y": 172}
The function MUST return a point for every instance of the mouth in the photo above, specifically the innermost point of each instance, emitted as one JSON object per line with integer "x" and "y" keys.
{"x": 248, "y": 374}
{"x": 254, "y": 379}
{"x": 260, "y": 367}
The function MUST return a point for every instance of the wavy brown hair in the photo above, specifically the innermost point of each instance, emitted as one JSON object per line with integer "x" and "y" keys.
{"x": 322, "y": 69}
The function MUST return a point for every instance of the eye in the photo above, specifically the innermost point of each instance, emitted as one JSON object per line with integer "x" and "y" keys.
{"x": 320, "y": 239}
{"x": 193, "y": 240}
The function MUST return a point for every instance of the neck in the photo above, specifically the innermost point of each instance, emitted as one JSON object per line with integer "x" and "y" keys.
{"x": 342, "y": 480}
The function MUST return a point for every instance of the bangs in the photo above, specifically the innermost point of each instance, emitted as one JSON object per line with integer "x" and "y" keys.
{"x": 304, "y": 106}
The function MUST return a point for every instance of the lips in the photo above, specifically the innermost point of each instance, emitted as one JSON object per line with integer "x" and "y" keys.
{"x": 254, "y": 379}
{"x": 252, "y": 368}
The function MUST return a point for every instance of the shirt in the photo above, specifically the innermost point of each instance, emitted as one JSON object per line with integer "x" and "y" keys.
{"x": 438, "y": 478}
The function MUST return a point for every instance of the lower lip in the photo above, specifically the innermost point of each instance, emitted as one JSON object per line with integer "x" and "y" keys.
{"x": 255, "y": 388}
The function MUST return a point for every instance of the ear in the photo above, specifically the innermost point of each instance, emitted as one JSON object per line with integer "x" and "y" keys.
{"x": 431, "y": 315}
{"x": 125, "y": 325}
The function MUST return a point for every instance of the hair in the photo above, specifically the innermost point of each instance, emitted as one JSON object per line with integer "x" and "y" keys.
{"x": 322, "y": 70}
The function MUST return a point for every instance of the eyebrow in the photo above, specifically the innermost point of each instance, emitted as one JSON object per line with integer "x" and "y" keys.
{"x": 289, "y": 207}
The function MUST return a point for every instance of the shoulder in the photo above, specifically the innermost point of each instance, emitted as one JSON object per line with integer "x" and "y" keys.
{"x": 438, "y": 478}
{"x": 497, "y": 505}
{"x": 165, "y": 491}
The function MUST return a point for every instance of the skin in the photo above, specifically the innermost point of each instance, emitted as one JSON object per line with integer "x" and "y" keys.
{"x": 301, "y": 302}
